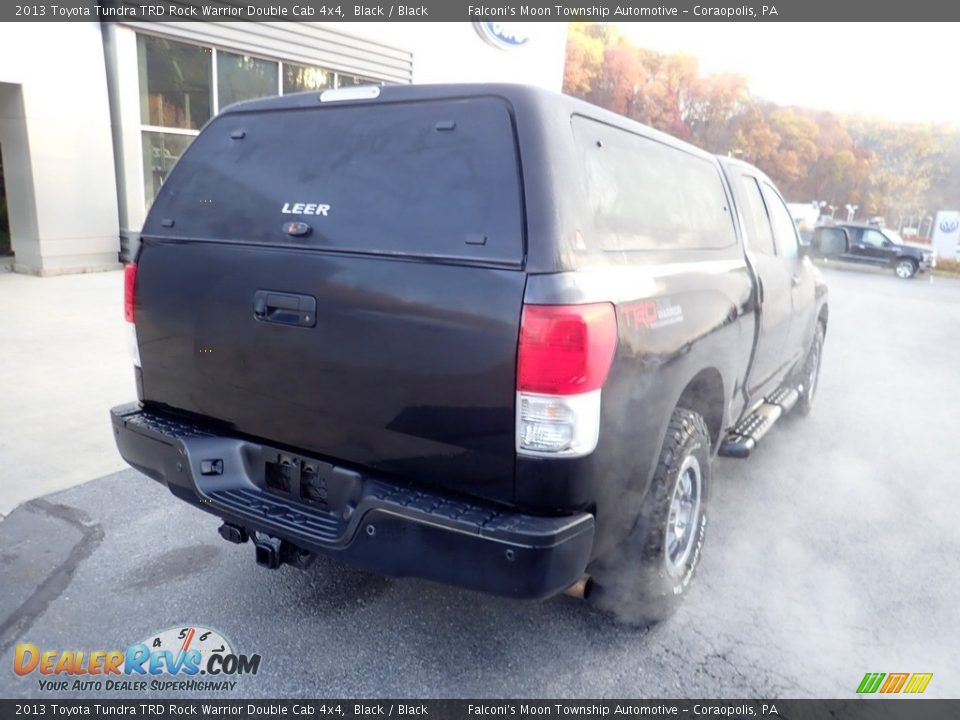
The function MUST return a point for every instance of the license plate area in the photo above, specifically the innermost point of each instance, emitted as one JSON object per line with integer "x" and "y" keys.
{"x": 310, "y": 481}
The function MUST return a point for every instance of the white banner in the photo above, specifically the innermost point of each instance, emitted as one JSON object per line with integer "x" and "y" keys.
{"x": 946, "y": 233}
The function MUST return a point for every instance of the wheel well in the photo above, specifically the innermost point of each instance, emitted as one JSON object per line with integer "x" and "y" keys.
{"x": 911, "y": 258}
{"x": 704, "y": 395}
{"x": 823, "y": 316}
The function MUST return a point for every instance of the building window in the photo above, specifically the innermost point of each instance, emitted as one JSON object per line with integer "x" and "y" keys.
{"x": 344, "y": 80}
{"x": 175, "y": 82}
{"x": 300, "y": 78}
{"x": 242, "y": 77}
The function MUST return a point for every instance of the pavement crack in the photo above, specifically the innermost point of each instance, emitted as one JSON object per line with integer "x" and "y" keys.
{"x": 748, "y": 671}
{"x": 91, "y": 534}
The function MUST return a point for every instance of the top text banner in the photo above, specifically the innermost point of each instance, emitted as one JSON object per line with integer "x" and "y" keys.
{"x": 503, "y": 13}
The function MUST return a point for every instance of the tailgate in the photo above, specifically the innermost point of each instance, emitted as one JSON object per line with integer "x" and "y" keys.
{"x": 386, "y": 336}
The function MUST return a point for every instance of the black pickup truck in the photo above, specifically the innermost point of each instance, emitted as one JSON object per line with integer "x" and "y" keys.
{"x": 486, "y": 335}
{"x": 869, "y": 245}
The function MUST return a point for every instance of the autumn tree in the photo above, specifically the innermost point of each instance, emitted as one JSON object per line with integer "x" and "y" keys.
{"x": 903, "y": 174}
{"x": 884, "y": 168}
{"x": 708, "y": 104}
{"x": 944, "y": 192}
{"x": 586, "y": 43}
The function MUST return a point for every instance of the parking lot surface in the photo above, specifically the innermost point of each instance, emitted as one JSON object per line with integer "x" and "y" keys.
{"x": 63, "y": 356}
{"x": 832, "y": 552}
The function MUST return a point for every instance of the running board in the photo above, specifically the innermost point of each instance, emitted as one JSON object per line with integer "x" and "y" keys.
{"x": 740, "y": 441}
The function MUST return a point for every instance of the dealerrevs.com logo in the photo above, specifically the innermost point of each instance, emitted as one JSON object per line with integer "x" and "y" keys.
{"x": 187, "y": 658}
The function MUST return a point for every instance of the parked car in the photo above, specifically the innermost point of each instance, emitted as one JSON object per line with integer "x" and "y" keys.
{"x": 868, "y": 244}
{"x": 486, "y": 335}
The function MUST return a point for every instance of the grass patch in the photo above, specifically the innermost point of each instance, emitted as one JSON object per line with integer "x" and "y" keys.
{"x": 947, "y": 267}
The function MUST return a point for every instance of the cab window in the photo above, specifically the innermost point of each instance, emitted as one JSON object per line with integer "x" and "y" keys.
{"x": 784, "y": 229}
{"x": 874, "y": 238}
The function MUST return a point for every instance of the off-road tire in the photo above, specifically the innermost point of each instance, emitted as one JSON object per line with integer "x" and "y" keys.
{"x": 635, "y": 582}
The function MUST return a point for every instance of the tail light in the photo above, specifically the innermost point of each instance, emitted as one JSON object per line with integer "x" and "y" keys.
{"x": 564, "y": 358}
{"x": 129, "y": 284}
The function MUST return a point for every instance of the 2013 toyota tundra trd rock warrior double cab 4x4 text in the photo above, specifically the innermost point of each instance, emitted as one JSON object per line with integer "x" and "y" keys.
{"x": 486, "y": 335}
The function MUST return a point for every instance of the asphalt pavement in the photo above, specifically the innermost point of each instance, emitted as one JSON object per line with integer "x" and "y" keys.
{"x": 63, "y": 356}
{"x": 833, "y": 551}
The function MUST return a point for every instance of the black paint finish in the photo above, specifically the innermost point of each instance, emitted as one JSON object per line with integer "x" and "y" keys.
{"x": 408, "y": 370}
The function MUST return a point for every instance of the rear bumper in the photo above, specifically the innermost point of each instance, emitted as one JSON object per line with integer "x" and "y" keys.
{"x": 370, "y": 522}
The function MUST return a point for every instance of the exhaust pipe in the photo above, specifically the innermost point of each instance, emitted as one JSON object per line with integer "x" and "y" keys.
{"x": 580, "y": 589}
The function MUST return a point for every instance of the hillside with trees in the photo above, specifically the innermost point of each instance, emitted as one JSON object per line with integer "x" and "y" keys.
{"x": 897, "y": 170}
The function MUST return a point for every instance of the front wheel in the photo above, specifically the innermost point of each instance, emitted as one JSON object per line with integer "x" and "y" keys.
{"x": 644, "y": 579}
{"x": 906, "y": 268}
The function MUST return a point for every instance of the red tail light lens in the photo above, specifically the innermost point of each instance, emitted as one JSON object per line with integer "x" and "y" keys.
{"x": 129, "y": 281}
{"x": 566, "y": 349}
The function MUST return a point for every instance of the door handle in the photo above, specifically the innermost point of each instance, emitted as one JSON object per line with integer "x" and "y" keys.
{"x": 285, "y": 308}
{"x": 795, "y": 280}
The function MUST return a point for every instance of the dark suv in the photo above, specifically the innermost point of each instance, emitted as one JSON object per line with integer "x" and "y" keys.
{"x": 874, "y": 246}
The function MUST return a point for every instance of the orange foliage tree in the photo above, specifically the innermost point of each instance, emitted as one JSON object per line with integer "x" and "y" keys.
{"x": 885, "y": 168}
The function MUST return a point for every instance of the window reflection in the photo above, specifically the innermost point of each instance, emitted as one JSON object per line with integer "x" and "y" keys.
{"x": 241, "y": 77}
{"x": 344, "y": 80}
{"x": 177, "y": 92}
{"x": 300, "y": 78}
{"x": 174, "y": 83}
{"x": 160, "y": 152}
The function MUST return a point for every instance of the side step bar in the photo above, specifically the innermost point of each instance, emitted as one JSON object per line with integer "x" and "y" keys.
{"x": 740, "y": 441}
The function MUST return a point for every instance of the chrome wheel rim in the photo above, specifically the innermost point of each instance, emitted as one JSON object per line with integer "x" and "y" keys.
{"x": 684, "y": 516}
{"x": 814, "y": 373}
{"x": 905, "y": 269}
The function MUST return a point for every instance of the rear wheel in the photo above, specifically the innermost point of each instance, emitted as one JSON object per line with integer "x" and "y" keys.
{"x": 810, "y": 375}
{"x": 906, "y": 268}
{"x": 644, "y": 579}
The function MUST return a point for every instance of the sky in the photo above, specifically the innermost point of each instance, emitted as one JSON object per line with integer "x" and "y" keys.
{"x": 899, "y": 71}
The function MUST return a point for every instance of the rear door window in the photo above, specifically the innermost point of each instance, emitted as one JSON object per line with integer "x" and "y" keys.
{"x": 436, "y": 179}
{"x": 874, "y": 238}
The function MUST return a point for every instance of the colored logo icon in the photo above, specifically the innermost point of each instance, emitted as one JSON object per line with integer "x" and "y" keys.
{"x": 893, "y": 683}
